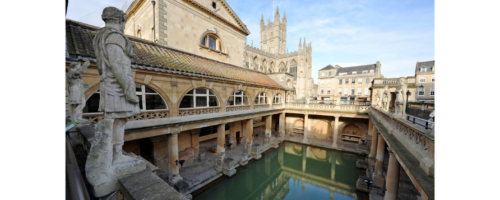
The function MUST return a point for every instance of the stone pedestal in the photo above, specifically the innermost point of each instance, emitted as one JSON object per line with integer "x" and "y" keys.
{"x": 219, "y": 162}
{"x": 102, "y": 174}
{"x": 228, "y": 167}
{"x": 256, "y": 151}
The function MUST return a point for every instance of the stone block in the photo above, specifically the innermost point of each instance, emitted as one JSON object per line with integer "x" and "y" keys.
{"x": 181, "y": 186}
{"x": 378, "y": 180}
{"x": 256, "y": 151}
{"x": 228, "y": 168}
{"x": 428, "y": 166}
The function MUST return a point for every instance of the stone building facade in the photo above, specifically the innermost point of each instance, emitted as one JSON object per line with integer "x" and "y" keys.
{"x": 351, "y": 84}
{"x": 424, "y": 75}
{"x": 272, "y": 58}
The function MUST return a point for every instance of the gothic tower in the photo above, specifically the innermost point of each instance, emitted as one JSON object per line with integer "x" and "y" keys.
{"x": 273, "y": 35}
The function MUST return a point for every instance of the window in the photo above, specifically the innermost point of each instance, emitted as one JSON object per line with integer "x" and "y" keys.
{"x": 432, "y": 91}
{"x": 340, "y": 81}
{"x": 422, "y": 69}
{"x": 343, "y": 73}
{"x": 199, "y": 98}
{"x": 340, "y": 91}
{"x": 421, "y": 91}
{"x": 329, "y": 73}
{"x": 322, "y": 81}
{"x": 328, "y": 81}
{"x": 261, "y": 99}
{"x": 352, "y": 91}
{"x": 328, "y": 91}
{"x": 371, "y": 70}
{"x": 321, "y": 91}
{"x": 277, "y": 98}
{"x": 360, "y": 80}
{"x": 148, "y": 100}
{"x": 359, "y": 91}
{"x": 422, "y": 79}
{"x": 364, "y": 71}
{"x": 212, "y": 41}
{"x": 367, "y": 91}
{"x": 367, "y": 80}
{"x": 433, "y": 79}
{"x": 238, "y": 98}
{"x": 353, "y": 80}
{"x": 346, "y": 81}
{"x": 214, "y": 5}
{"x": 354, "y": 72}
{"x": 432, "y": 68}
{"x": 345, "y": 91}
{"x": 322, "y": 73}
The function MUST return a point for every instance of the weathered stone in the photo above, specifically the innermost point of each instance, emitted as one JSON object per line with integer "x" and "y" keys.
{"x": 146, "y": 185}
{"x": 256, "y": 151}
{"x": 228, "y": 168}
{"x": 76, "y": 91}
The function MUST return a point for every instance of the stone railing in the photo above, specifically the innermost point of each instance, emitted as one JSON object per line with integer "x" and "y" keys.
{"x": 261, "y": 106}
{"x": 416, "y": 140}
{"x": 198, "y": 111}
{"x": 237, "y": 108}
{"x": 327, "y": 107}
{"x": 278, "y": 105}
{"x": 94, "y": 118}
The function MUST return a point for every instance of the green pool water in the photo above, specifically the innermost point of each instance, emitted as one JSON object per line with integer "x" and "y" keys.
{"x": 292, "y": 171}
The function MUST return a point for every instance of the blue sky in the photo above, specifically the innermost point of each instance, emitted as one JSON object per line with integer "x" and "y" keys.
{"x": 398, "y": 33}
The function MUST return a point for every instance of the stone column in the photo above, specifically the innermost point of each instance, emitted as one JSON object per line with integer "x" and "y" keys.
{"x": 195, "y": 142}
{"x": 221, "y": 140}
{"x": 306, "y": 127}
{"x": 335, "y": 132}
{"x": 249, "y": 135}
{"x": 373, "y": 150}
{"x": 268, "y": 128}
{"x": 370, "y": 127}
{"x": 282, "y": 125}
{"x": 173, "y": 152}
{"x": 392, "y": 182}
{"x": 378, "y": 176}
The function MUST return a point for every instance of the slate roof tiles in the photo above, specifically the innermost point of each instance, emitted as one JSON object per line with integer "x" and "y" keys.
{"x": 151, "y": 56}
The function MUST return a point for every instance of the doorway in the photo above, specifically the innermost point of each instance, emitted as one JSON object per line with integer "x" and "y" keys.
{"x": 392, "y": 106}
{"x": 238, "y": 137}
{"x": 146, "y": 149}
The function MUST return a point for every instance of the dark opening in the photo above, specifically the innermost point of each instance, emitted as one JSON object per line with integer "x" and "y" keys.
{"x": 276, "y": 126}
{"x": 238, "y": 137}
{"x": 208, "y": 130}
{"x": 146, "y": 148}
{"x": 226, "y": 127}
{"x": 214, "y": 5}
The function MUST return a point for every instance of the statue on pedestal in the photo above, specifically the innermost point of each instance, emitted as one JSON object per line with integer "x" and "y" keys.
{"x": 377, "y": 99}
{"x": 76, "y": 91}
{"x": 400, "y": 100}
{"x": 385, "y": 99}
{"x": 118, "y": 101}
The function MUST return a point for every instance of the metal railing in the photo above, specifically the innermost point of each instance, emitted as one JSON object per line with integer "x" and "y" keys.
{"x": 421, "y": 122}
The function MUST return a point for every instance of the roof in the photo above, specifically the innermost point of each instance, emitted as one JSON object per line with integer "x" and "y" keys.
{"x": 425, "y": 64}
{"x": 358, "y": 69}
{"x": 155, "y": 57}
{"x": 327, "y": 67}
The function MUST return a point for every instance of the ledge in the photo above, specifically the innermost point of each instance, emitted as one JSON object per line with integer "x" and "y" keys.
{"x": 408, "y": 162}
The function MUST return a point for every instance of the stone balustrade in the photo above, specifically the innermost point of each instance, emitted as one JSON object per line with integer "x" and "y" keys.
{"x": 94, "y": 118}
{"x": 354, "y": 108}
{"x": 198, "y": 111}
{"x": 261, "y": 106}
{"x": 418, "y": 141}
{"x": 237, "y": 108}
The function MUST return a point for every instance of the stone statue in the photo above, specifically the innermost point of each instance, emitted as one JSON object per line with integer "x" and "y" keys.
{"x": 399, "y": 101}
{"x": 76, "y": 91}
{"x": 118, "y": 101}
{"x": 385, "y": 99}
{"x": 377, "y": 99}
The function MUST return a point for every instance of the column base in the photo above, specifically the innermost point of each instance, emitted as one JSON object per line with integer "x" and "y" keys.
{"x": 378, "y": 180}
{"x": 175, "y": 179}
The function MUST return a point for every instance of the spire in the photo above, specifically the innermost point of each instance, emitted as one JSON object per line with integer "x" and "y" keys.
{"x": 252, "y": 43}
{"x": 300, "y": 44}
{"x": 304, "y": 42}
{"x": 284, "y": 17}
{"x": 262, "y": 19}
{"x": 287, "y": 50}
{"x": 277, "y": 16}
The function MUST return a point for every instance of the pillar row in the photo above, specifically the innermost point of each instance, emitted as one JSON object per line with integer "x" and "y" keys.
{"x": 392, "y": 182}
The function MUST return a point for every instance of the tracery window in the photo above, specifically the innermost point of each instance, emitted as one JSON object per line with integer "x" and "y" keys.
{"x": 277, "y": 99}
{"x": 212, "y": 41}
{"x": 282, "y": 67}
{"x": 199, "y": 98}
{"x": 256, "y": 63}
{"x": 238, "y": 98}
{"x": 293, "y": 69}
{"x": 261, "y": 99}
{"x": 149, "y": 99}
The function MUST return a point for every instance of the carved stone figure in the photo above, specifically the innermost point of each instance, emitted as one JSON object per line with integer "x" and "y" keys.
{"x": 377, "y": 99}
{"x": 385, "y": 99}
{"x": 76, "y": 91}
{"x": 399, "y": 101}
{"x": 118, "y": 101}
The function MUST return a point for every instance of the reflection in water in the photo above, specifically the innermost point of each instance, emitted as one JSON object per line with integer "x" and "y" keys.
{"x": 293, "y": 171}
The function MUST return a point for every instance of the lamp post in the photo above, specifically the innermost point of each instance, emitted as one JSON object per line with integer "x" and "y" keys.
{"x": 154, "y": 23}
{"x": 408, "y": 93}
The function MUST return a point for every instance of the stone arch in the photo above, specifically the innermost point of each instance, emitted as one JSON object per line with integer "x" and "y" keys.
{"x": 351, "y": 129}
{"x": 293, "y": 67}
{"x": 273, "y": 65}
{"x": 219, "y": 37}
{"x": 255, "y": 62}
{"x": 298, "y": 124}
{"x": 247, "y": 60}
{"x": 282, "y": 67}
{"x": 321, "y": 129}
{"x": 232, "y": 90}
{"x": 264, "y": 65}
{"x": 220, "y": 100}
{"x": 320, "y": 154}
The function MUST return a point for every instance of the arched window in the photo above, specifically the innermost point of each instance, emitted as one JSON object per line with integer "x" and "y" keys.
{"x": 247, "y": 63}
{"x": 282, "y": 67}
{"x": 293, "y": 69}
{"x": 289, "y": 83}
{"x": 213, "y": 41}
{"x": 264, "y": 66}
{"x": 277, "y": 99}
{"x": 261, "y": 99}
{"x": 256, "y": 63}
{"x": 238, "y": 98}
{"x": 199, "y": 98}
{"x": 149, "y": 99}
